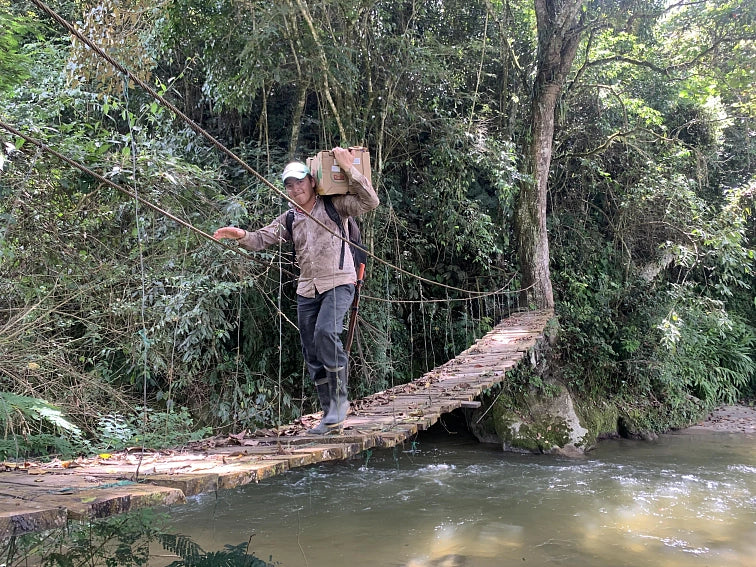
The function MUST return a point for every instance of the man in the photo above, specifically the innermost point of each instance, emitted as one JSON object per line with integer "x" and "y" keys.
{"x": 327, "y": 276}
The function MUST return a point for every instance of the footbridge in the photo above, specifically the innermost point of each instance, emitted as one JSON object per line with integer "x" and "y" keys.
{"x": 38, "y": 497}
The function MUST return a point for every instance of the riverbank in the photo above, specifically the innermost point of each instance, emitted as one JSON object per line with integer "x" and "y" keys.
{"x": 739, "y": 418}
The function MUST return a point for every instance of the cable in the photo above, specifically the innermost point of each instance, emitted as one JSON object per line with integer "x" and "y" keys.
{"x": 85, "y": 169}
{"x": 197, "y": 128}
{"x": 143, "y": 332}
{"x": 148, "y": 204}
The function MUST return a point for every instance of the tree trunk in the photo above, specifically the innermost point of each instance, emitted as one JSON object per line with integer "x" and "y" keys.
{"x": 323, "y": 67}
{"x": 296, "y": 116}
{"x": 559, "y": 23}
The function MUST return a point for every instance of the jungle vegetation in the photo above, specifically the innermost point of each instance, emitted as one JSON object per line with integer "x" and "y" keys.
{"x": 594, "y": 155}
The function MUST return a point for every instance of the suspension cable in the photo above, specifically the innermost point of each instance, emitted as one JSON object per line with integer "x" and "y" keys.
{"x": 140, "y": 245}
{"x": 83, "y": 168}
{"x": 198, "y": 129}
{"x": 142, "y": 200}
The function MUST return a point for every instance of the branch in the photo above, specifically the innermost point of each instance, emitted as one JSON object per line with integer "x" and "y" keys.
{"x": 324, "y": 66}
{"x": 624, "y": 59}
{"x": 520, "y": 71}
{"x": 668, "y": 70}
{"x": 602, "y": 147}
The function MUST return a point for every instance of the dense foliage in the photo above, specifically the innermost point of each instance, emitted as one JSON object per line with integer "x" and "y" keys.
{"x": 129, "y": 539}
{"x": 111, "y": 310}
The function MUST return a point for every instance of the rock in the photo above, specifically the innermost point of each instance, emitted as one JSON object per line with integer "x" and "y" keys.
{"x": 537, "y": 423}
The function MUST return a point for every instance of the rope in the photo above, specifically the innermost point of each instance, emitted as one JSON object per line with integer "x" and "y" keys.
{"x": 279, "y": 395}
{"x": 483, "y": 295}
{"x": 217, "y": 144}
{"x": 132, "y": 195}
{"x": 148, "y": 204}
{"x": 143, "y": 333}
{"x": 197, "y": 128}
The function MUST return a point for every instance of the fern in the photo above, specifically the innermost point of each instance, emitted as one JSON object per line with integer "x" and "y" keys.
{"x": 25, "y": 414}
{"x": 181, "y": 545}
{"x": 149, "y": 428}
{"x": 192, "y": 554}
{"x": 35, "y": 427}
{"x": 712, "y": 354}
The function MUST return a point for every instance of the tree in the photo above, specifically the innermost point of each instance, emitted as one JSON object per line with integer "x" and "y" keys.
{"x": 559, "y": 26}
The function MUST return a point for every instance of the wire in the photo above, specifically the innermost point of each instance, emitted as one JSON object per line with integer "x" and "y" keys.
{"x": 132, "y": 195}
{"x": 143, "y": 334}
{"x": 197, "y": 128}
{"x": 150, "y": 205}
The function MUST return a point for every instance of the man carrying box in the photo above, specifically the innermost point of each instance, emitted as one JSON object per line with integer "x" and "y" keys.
{"x": 327, "y": 277}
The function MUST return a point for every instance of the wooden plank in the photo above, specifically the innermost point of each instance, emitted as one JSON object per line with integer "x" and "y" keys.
{"x": 19, "y": 516}
{"x": 234, "y": 476}
{"x": 188, "y": 484}
{"x": 104, "y": 502}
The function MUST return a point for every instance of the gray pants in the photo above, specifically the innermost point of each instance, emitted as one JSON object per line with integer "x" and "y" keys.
{"x": 321, "y": 321}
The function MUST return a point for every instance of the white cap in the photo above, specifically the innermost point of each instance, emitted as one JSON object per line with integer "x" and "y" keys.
{"x": 295, "y": 169}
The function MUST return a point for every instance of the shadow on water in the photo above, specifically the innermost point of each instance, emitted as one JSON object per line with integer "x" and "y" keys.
{"x": 446, "y": 500}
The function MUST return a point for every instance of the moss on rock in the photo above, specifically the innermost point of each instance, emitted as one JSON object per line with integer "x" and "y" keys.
{"x": 538, "y": 420}
{"x": 599, "y": 419}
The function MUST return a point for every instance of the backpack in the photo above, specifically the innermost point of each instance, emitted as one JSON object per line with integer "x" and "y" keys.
{"x": 359, "y": 252}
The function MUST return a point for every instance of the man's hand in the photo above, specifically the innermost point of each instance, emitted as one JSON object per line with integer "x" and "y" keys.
{"x": 345, "y": 158}
{"x": 229, "y": 232}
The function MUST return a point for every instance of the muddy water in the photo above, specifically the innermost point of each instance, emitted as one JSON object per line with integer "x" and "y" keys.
{"x": 685, "y": 499}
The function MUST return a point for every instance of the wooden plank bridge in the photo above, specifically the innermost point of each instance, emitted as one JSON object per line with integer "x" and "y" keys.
{"x": 39, "y": 497}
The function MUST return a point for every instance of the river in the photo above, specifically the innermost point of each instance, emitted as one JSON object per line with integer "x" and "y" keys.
{"x": 686, "y": 499}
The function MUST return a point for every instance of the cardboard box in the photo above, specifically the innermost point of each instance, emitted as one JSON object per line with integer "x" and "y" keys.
{"x": 330, "y": 178}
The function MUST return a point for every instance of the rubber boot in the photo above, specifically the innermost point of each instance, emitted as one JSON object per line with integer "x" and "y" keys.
{"x": 324, "y": 395}
{"x": 337, "y": 389}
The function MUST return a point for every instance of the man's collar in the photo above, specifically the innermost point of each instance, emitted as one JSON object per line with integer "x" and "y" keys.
{"x": 300, "y": 210}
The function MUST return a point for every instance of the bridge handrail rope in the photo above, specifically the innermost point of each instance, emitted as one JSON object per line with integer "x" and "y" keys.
{"x": 84, "y": 169}
{"x": 145, "y": 342}
{"x": 198, "y": 129}
{"x": 42, "y": 147}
